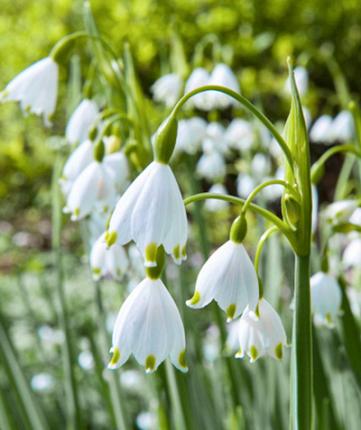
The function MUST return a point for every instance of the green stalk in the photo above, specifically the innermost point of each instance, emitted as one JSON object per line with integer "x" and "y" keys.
{"x": 116, "y": 397}
{"x": 302, "y": 374}
{"x": 71, "y": 392}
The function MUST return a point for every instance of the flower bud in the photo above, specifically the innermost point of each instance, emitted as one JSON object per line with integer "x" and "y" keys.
{"x": 238, "y": 229}
{"x": 165, "y": 139}
{"x": 291, "y": 209}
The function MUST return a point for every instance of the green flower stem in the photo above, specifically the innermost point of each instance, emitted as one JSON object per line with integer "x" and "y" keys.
{"x": 260, "y": 187}
{"x": 301, "y": 360}
{"x": 248, "y": 105}
{"x": 71, "y": 391}
{"x": 268, "y": 233}
{"x": 320, "y": 163}
{"x": 116, "y": 396}
{"x": 281, "y": 225}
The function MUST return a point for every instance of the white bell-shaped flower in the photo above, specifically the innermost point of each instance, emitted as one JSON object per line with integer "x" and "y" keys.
{"x": 149, "y": 327}
{"x": 81, "y": 121}
{"x": 76, "y": 163}
{"x": 352, "y": 255}
{"x": 198, "y": 78}
{"x": 93, "y": 187}
{"x": 261, "y": 333}
{"x": 211, "y": 166}
{"x": 229, "y": 278}
{"x": 342, "y": 128}
{"x": 240, "y": 135}
{"x": 326, "y": 298}
{"x": 321, "y": 130}
{"x": 222, "y": 75}
{"x": 215, "y": 139}
{"x": 104, "y": 261}
{"x": 117, "y": 165}
{"x": 340, "y": 211}
{"x": 36, "y": 89}
{"x": 151, "y": 213}
{"x": 215, "y": 205}
{"x": 167, "y": 89}
{"x": 245, "y": 185}
{"x": 190, "y": 134}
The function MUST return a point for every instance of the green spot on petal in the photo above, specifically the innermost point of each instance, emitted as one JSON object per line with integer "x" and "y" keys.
{"x": 115, "y": 358}
{"x": 151, "y": 252}
{"x": 195, "y": 299}
{"x": 279, "y": 351}
{"x": 184, "y": 252}
{"x": 76, "y": 212}
{"x": 150, "y": 363}
{"x": 253, "y": 352}
{"x": 231, "y": 310}
{"x": 182, "y": 359}
{"x": 176, "y": 252}
{"x": 96, "y": 271}
{"x": 110, "y": 238}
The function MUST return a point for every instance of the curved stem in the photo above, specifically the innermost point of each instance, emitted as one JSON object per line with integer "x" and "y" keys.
{"x": 260, "y": 187}
{"x": 248, "y": 105}
{"x": 268, "y": 233}
{"x": 280, "y": 224}
{"x": 319, "y": 164}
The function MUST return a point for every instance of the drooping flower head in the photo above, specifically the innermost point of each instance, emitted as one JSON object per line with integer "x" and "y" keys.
{"x": 167, "y": 89}
{"x": 36, "y": 89}
{"x": 229, "y": 278}
{"x": 261, "y": 333}
{"x": 80, "y": 122}
{"x": 326, "y": 298}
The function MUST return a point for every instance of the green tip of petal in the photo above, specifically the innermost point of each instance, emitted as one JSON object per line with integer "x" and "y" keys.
{"x": 253, "y": 352}
{"x": 328, "y": 319}
{"x": 115, "y": 358}
{"x": 230, "y": 312}
{"x": 151, "y": 254}
{"x": 150, "y": 364}
{"x": 76, "y": 212}
{"x": 182, "y": 361}
{"x": 177, "y": 252}
{"x": 279, "y": 351}
{"x": 184, "y": 252}
{"x": 110, "y": 238}
{"x": 195, "y": 299}
{"x": 239, "y": 353}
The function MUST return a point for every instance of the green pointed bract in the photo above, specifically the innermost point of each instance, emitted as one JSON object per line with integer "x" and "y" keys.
{"x": 165, "y": 139}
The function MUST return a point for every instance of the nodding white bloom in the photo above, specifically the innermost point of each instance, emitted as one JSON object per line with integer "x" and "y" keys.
{"x": 106, "y": 261}
{"x": 245, "y": 184}
{"x": 261, "y": 166}
{"x": 214, "y": 205}
{"x": 240, "y": 134}
{"x": 80, "y": 122}
{"x": 198, "y": 78}
{"x": 215, "y": 139}
{"x": 36, "y": 89}
{"x": 151, "y": 213}
{"x": 326, "y": 298}
{"x": 167, "y": 89}
{"x": 355, "y": 218}
{"x": 222, "y": 75}
{"x": 93, "y": 187}
{"x": 149, "y": 327}
{"x": 190, "y": 134}
{"x": 76, "y": 163}
{"x": 117, "y": 166}
{"x": 321, "y": 130}
{"x": 342, "y": 128}
{"x": 340, "y": 211}
{"x": 229, "y": 278}
{"x": 261, "y": 333}
{"x": 354, "y": 297}
{"x": 211, "y": 166}
{"x": 301, "y": 78}
{"x": 232, "y": 342}
{"x": 352, "y": 255}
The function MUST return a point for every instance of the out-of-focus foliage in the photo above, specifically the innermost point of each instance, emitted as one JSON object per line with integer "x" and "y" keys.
{"x": 257, "y": 37}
